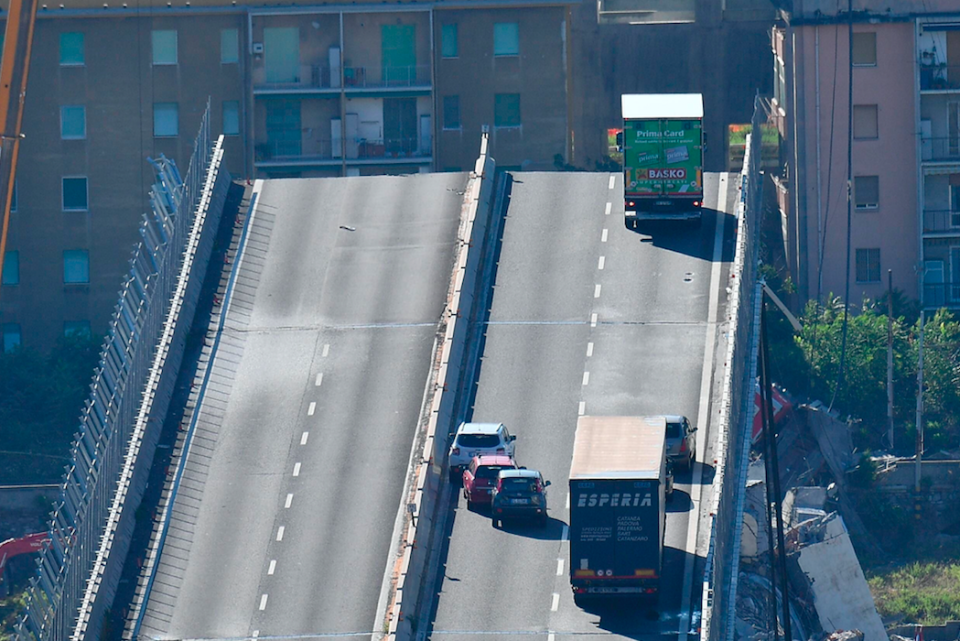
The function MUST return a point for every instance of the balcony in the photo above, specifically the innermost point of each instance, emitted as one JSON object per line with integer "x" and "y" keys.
{"x": 284, "y": 153}
{"x": 940, "y": 149}
{"x": 939, "y": 77}
{"x": 415, "y": 77}
{"x": 942, "y": 222}
{"x": 937, "y": 295}
{"x": 390, "y": 151}
{"x": 360, "y": 151}
{"x": 311, "y": 79}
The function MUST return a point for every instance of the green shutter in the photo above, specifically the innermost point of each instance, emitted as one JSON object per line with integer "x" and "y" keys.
{"x": 281, "y": 54}
{"x": 399, "y": 53}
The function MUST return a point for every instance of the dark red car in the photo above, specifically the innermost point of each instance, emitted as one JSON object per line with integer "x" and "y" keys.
{"x": 480, "y": 477}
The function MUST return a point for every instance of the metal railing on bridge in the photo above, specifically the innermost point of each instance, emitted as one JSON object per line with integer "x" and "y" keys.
{"x": 91, "y": 523}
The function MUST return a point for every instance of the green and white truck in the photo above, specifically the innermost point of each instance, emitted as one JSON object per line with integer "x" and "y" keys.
{"x": 662, "y": 157}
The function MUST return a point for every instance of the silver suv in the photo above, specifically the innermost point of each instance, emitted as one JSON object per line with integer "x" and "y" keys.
{"x": 681, "y": 441}
{"x": 478, "y": 439}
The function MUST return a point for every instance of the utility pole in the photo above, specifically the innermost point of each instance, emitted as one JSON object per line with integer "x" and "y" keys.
{"x": 890, "y": 358}
{"x": 919, "y": 445}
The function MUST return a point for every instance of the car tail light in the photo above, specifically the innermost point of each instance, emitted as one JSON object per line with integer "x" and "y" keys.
{"x": 651, "y": 590}
{"x": 456, "y": 451}
{"x": 500, "y": 450}
{"x": 499, "y": 510}
{"x": 683, "y": 445}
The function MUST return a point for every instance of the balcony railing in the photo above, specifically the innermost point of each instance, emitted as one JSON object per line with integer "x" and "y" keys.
{"x": 936, "y": 295}
{"x": 307, "y": 77}
{"x": 379, "y": 77}
{"x": 940, "y": 149}
{"x": 940, "y": 221}
{"x": 296, "y": 150}
{"x": 939, "y": 76}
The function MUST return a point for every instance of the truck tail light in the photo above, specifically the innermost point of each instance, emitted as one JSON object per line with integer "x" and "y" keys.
{"x": 696, "y": 203}
{"x": 651, "y": 590}
{"x": 456, "y": 451}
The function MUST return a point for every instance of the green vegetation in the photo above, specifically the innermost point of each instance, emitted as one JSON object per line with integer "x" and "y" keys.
{"x": 10, "y": 609}
{"x": 808, "y": 364}
{"x": 925, "y": 593}
{"x": 41, "y": 396}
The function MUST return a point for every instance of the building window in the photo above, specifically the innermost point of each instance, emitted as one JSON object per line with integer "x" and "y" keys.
{"x": 11, "y": 268}
{"x": 75, "y": 194}
{"x": 73, "y": 122}
{"x": 506, "y": 110}
{"x": 76, "y": 266}
{"x": 868, "y": 265}
{"x": 11, "y": 337}
{"x": 865, "y": 49}
{"x": 165, "y": 119}
{"x": 865, "y": 122}
{"x": 164, "y": 43}
{"x": 866, "y": 191}
{"x": 71, "y": 48}
{"x": 506, "y": 39}
{"x": 231, "y": 117}
{"x": 79, "y": 328}
{"x": 229, "y": 46}
{"x": 451, "y": 112}
{"x": 449, "y": 43}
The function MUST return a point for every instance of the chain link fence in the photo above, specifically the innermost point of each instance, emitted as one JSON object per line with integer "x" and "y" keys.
{"x": 93, "y": 518}
{"x": 736, "y": 410}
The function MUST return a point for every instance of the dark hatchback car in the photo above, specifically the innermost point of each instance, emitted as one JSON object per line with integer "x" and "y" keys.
{"x": 519, "y": 494}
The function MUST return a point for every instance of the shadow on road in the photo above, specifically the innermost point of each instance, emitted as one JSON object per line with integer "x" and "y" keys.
{"x": 686, "y": 237}
{"x": 680, "y": 502}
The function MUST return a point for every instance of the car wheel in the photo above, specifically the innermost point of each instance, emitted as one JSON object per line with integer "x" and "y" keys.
{"x": 466, "y": 495}
{"x": 495, "y": 522}
{"x": 690, "y": 459}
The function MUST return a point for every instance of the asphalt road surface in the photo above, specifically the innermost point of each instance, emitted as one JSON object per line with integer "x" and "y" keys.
{"x": 284, "y": 521}
{"x": 587, "y": 317}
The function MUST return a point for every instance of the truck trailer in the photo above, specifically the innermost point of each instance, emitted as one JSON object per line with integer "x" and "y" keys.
{"x": 617, "y": 507}
{"x": 662, "y": 157}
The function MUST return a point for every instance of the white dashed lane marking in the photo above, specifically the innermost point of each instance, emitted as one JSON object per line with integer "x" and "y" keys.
{"x": 559, "y": 567}
{"x": 601, "y": 262}
{"x": 326, "y": 350}
{"x": 603, "y": 235}
{"x": 296, "y": 469}
{"x": 586, "y": 378}
{"x": 312, "y": 408}
{"x": 280, "y": 533}
{"x": 304, "y": 437}
{"x": 255, "y": 634}
{"x": 556, "y": 602}
{"x": 263, "y": 602}
{"x": 273, "y": 567}
{"x": 589, "y": 349}
{"x": 607, "y": 210}
{"x": 613, "y": 181}
{"x": 566, "y": 529}
{"x": 593, "y": 320}
{"x": 596, "y": 290}
{"x": 582, "y": 408}
{"x": 288, "y": 502}
{"x": 319, "y": 380}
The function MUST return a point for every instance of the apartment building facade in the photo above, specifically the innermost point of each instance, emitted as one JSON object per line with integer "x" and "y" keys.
{"x": 298, "y": 90}
{"x": 904, "y": 148}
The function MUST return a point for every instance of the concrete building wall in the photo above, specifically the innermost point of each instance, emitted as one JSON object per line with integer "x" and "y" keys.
{"x": 821, "y": 102}
{"x": 538, "y": 74}
{"x": 118, "y": 86}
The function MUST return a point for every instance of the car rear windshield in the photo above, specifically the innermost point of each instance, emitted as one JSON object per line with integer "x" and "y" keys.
{"x": 478, "y": 440}
{"x": 490, "y": 471}
{"x": 673, "y": 430}
{"x": 519, "y": 485}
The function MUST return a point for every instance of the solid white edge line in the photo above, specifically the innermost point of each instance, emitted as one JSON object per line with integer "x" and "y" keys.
{"x": 555, "y": 604}
{"x": 696, "y": 487}
{"x": 312, "y": 408}
{"x": 263, "y": 602}
{"x": 280, "y": 533}
{"x": 288, "y": 502}
{"x": 272, "y": 568}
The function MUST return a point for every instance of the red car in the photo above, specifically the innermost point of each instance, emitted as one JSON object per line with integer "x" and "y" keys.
{"x": 480, "y": 477}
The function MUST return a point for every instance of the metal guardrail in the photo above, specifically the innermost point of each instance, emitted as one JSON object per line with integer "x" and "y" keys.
{"x": 93, "y": 519}
{"x": 723, "y": 558}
